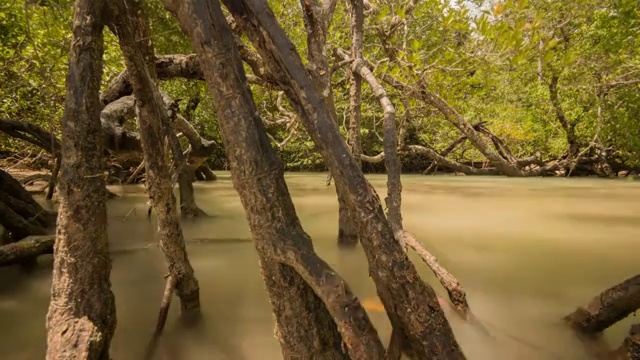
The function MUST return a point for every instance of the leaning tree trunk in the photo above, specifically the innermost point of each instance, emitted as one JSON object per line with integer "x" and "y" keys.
{"x": 82, "y": 317}
{"x": 129, "y": 24}
{"x": 317, "y": 15}
{"x": 316, "y": 313}
{"x": 609, "y": 307}
{"x": 405, "y": 296}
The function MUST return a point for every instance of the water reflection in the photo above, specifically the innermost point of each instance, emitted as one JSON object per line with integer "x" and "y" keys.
{"x": 527, "y": 251}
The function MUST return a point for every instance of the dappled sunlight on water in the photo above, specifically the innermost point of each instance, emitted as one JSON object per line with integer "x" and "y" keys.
{"x": 528, "y": 251}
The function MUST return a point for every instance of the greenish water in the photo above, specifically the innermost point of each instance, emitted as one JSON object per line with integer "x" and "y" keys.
{"x": 528, "y": 251}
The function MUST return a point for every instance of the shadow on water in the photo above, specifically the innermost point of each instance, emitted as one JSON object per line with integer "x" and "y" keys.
{"x": 528, "y": 251}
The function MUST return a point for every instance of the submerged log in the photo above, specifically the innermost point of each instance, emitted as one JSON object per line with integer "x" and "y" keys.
{"x": 26, "y": 249}
{"x": 609, "y": 307}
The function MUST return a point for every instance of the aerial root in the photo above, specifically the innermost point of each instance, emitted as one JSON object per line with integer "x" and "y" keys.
{"x": 162, "y": 316}
{"x": 358, "y": 333}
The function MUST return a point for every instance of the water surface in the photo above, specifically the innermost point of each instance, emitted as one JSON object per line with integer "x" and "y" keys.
{"x": 528, "y": 251}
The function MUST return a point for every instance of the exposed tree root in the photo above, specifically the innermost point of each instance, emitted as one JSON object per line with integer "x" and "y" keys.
{"x": 607, "y": 308}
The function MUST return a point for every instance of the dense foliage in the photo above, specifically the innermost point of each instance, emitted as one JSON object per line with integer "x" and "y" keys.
{"x": 533, "y": 71}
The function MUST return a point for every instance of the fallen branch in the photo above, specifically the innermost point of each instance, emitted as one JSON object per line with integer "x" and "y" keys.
{"x": 445, "y": 153}
{"x": 457, "y": 295}
{"x": 451, "y": 164}
{"x": 135, "y": 173}
{"x": 609, "y": 307}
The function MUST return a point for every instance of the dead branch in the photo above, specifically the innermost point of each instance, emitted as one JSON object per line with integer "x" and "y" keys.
{"x": 457, "y": 295}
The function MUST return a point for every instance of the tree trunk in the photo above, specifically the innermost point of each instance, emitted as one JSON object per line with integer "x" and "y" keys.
{"x": 129, "y": 23}
{"x": 82, "y": 318}
{"x": 405, "y": 296}
{"x": 317, "y": 15}
{"x": 316, "y": 313}
{"x": 609, "y": 307}
{"x": 26, "y": 249}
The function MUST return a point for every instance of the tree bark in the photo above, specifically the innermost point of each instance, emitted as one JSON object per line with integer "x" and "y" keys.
{"x": 346, "y": 238}
{"x": 128, "y": 22}
{"x": 314, "y": 308}
{"x": 81, "y": 318}
{"x": 609, "y": 307}
{"x": 26, "y": 249}
{"x": 317, "y": 15}
{"x": 405, "y": 296}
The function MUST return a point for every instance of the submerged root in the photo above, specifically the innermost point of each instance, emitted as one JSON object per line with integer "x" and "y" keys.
{"x": 162, "y": 317}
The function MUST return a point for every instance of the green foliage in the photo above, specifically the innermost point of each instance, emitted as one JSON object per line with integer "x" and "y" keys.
{"x": 492, "y": 62}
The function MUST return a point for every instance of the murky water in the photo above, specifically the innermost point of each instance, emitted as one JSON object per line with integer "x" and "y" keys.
{"x": 528, "y": 251}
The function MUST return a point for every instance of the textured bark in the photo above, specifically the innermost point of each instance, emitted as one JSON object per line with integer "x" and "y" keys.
{"x": 405, "y": 296}
{"x": 609, "y": 307}
{"x": 81, "y": 318}
{"x": 128, "y": 22}
{"x": 26, "y": 249}
{"x": 392, "y": 162}
{"x": 314, "y": 309}
{"x": 347, "y": 235}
